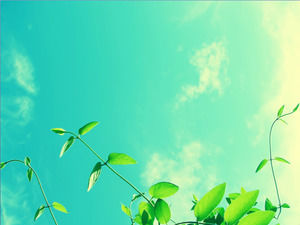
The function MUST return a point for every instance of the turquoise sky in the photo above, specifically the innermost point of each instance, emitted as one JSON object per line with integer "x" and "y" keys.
{"x": 188, "y": 89}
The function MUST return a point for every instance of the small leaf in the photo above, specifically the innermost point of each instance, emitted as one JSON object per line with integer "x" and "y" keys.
{"x": 27, "y": 161}
{"x": 59, "y": 207}
{"x": 66, "y": 146}
{"x": 240, "y": 206}
{"x": 94, "y": 175}
{"x": 2, "y": 165}
{"x": 295, "y": 109}
{"x": 120, "y": 159}
{"x": 126, "y": 210}
{"x": 145, "y": 217}
{"x": 29, "y": 174}
{"x": 86, "y": 128}
{"x": 195, "y": 198}
{"x": 283, "y": 121}
{"x": 269, "y": 205}
{"x": 261, "y": 165}
{"x": 59, "y": 131}
{"x": 280, "y": 111}
{"x": 285, "y": 205}
{"x": 138, "y": 219}
{"x": 136, "y": 196}
{"x": 209, "y": 202}
{"x": 258, "y": 218}
{"x": 162, "y": 211}
{"x": 39, "y": 212}
{"x": 282, "y": 160}
{"x": 163, "y": 190}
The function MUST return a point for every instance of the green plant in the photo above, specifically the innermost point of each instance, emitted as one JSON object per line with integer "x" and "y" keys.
{"x": 241, "y": 208}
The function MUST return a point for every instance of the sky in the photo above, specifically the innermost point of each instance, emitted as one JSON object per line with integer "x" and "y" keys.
{"x": 187, "y": 89}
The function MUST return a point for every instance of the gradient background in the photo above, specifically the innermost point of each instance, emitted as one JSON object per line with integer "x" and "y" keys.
{"x": 188, "y": 89}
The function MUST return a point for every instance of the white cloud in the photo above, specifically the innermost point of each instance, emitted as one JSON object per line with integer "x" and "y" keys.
{"x": 281, "y": 21}
{"x": 210, "y": 62}
{"x": 185, "y": 170}
{"x": 23, "y": 72}
{"x": 194, "y": 10}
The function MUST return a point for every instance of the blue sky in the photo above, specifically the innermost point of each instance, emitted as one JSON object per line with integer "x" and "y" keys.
{"x": 188, "y": 89}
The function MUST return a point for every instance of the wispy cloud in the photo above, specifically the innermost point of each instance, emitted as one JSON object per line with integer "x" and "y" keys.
{"x": 18, "y": 75}
{"x": 210, "y": 63}
{"x": 194, "y": 10}
{"x": 281, "y": 21}
{"x": 23, "y": 72}
{"x": 185, "y": 170}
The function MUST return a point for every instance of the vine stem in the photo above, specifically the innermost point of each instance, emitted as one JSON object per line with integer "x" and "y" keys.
{"x": 271, "y": 161}
{"x": 40, "y": 184}
{"x": 194, "y": 222}
{"x": 112, "y": 169}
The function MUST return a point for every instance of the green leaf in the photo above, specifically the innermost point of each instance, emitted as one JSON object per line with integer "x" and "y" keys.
{"x": 281, "y": 160}
{"x": 94, "y": 175}
{"x": 233, "y": 196}
{"x": 145, "y": 217}
{"x": 261, "y": 165}
{"x": 280, "y": 111}
{"x": 195, "y": 198}
{"x": 27, "y": 161}
{"x": 145, "y": 206}
{"x": 258, "y": 218}
{"x": 138, "y": 219}
{"x": 295, "y": 109}
{"x": 285, "y": 205}
{"x": 209, "y": 202}
{"x": 66, "y": 146}
{"x": 2, "y": 165}
{"x": 86, "y": 128}
{"x": 120, "y": 159}
{"x": 136, "y": 196}
{"x": 59, "y": 131}
{"x": 59, "y": 207}
{"x": 126, "y": 210}
{"x": 240, "y": 206}
{"x": 243, "y": 190}
{"x": 162, "y": 211}
{"x": 39, "y": 212}
{"x": 269, "y": 205}
{"x": 163, "y": 190}
{"x": 29, "y": 174}
{"x": 283, "y": 121}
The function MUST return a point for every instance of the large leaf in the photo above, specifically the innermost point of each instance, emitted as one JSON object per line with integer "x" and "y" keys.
{"x": 261, "y": 165}
{"x": 29, "y": 174}
{"x": 258, "y": 218}
{"x": 86, "y": 128}
{"x": 59, "y": 131}
{"x": 162, "y": 211}
{"x": 126, "y": 210}
{"x": 39, "y": 212}
{"x": 94, "y": 175}
{"x": 295, "y": 109}
{"x": 281, "y": 160}
{"x": 66, "y": 146}
{"x": 27, "y": 161}
{"x": 59, "y": 207}
{"x": 120, "y": 159}
{"x": 163, "y": 190}
{"x": 240, "y": 206}
{"x": 280, "y": 111}
{"x": 209, "y": 201}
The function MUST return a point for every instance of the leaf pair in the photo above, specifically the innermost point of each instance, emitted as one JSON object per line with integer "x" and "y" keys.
{"x": 264, "y": 162}
{"x": 83, "y": 130}
{"x": 55, "y": 205}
